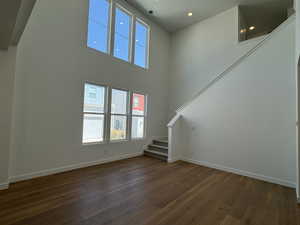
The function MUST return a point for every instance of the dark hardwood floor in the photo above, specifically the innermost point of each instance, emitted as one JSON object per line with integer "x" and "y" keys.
{"x": 150, "y": 192}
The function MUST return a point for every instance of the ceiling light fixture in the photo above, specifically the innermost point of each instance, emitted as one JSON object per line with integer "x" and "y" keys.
{"x": 243, "y": 31}
{"x": 190, "y": 14}
{"x": 252, "y": 28}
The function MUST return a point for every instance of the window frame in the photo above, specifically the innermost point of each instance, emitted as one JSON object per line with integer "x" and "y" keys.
{"x": 105, "y": 114}
{"x": 109, "y": 27}
{"x": 141, "y": 116}
{"x": 130, "y": 51}
{"x": 127, "y": 115}
{"x": 111, "y": 34}
{"x": 137, "y": 19}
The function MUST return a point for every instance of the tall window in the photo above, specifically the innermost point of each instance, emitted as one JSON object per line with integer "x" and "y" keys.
{"x": 122, "y": 34}
{"x": 138, "y": 116}
{"x": 111, "y": 114}
{"x": 141, "y": 44}
{"x": 110, "y": 30}
{"x": 94, "y": 113}
{"x": 99, "y": 25}
{"x": 119, "y": 109}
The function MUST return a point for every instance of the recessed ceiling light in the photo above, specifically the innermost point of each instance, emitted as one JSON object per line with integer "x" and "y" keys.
{"x": 252, "y": 28}
{"x": 190, "y": 14}
{"x": 243, "y": 31}
{"x": 121, "y": 23}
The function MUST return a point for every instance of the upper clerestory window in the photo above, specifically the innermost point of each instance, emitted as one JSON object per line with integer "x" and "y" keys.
{"x": 113, "y": 30}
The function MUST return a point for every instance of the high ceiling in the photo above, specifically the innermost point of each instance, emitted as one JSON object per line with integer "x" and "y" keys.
{"x": 14, "y": 15}
{"x": 172, "y": 14}
{"x": 8, "y": 15}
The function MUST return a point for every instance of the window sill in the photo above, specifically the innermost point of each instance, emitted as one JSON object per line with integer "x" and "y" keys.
{"x": 113, "y": 142}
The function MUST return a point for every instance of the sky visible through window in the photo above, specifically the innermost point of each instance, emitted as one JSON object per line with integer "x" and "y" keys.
{"x": 141, "y": 39}
{"x": 122, "y": 34}
{"x": 98, "y": 28}
{"x": 99, "y": 33}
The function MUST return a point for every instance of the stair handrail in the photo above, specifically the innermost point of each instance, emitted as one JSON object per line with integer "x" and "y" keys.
{"x": 235, "y": 64}
{"x": 174, "y": 120}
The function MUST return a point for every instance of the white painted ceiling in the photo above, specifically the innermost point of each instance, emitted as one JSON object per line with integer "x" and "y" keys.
{"x": 172, "y": 14}
{"x": 14, "y": 15}
{"x": 8, "y": 16}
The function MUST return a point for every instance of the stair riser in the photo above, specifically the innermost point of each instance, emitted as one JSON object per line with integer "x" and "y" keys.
{"x": 158, "y": 149}
{"x": 160, "y": 143}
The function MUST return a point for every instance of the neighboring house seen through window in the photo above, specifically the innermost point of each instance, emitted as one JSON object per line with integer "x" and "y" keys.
{"x": 124, "y": 119}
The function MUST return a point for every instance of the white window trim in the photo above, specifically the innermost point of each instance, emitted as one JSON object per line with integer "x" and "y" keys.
{"x": 105, "y": 114}
{"x": 137, "y": 19}
{"x": 110, "y": 114}
{"x": 142, "y": 116}
{"x": 111, "y": 35}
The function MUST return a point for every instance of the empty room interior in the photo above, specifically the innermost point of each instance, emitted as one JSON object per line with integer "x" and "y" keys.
{"x": 149, "y": 112}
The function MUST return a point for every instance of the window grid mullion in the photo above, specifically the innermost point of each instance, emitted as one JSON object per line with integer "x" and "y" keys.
{"x": 132, "y": 44}
{"x": 130, "y": 94}
{"x": 112, "y": 28}
{"x": 108, "y": 114}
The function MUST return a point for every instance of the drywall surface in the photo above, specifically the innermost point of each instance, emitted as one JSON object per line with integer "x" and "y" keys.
{"x": 176, "y": 140}
{"x": 297, "y": 8}
{"x": 246, "y": 121}
{"x": 201, "y": 52}
{"x": 7, "y": 75}
{"x": 53, "y": 64}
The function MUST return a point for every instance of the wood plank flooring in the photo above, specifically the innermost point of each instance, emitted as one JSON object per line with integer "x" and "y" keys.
{"x": 147, "y": 191}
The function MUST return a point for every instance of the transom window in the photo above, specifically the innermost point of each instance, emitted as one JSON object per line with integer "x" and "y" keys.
{"x": 114, "y": 30}
{"x": 111, "y": 114}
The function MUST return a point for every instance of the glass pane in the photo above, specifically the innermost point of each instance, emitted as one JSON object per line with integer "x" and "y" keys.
{"x": 138, "y": 104}
{"x": 140, "y": 56}
{"x": 119, "y": 101}
{"x": 94, "y": 98}
{"x": 93, "y": 127}
{"x": 122, "y": 34}
{"x": 118, "y": 127}
{"x": 137, "y": 130}
{"x": 98, "y": 28}
{"x": 141, "y": 45}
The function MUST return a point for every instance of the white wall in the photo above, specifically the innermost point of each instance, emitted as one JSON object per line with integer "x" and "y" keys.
{"x": 201, "y": 52}
{"x": 7, "y": 75}
{"x": 297, "y": 8}
{"x": 176, "y": 138}
{"x": 246, "y": 121}
{"x": 53, "y": 64}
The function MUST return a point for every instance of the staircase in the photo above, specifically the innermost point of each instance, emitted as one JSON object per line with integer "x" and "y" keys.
{"x": 158, "y": 149}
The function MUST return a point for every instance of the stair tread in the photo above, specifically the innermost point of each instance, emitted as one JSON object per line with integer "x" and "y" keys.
{"x": 162, "y": 141}
{"x": 158, "y": 146}
{"x": 156, "y": 152}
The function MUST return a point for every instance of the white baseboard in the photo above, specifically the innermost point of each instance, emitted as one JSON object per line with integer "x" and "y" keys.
{"x": 4, "y": 186}
{"x": 71, "y": 167}
{"x": 242, "y": 173}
